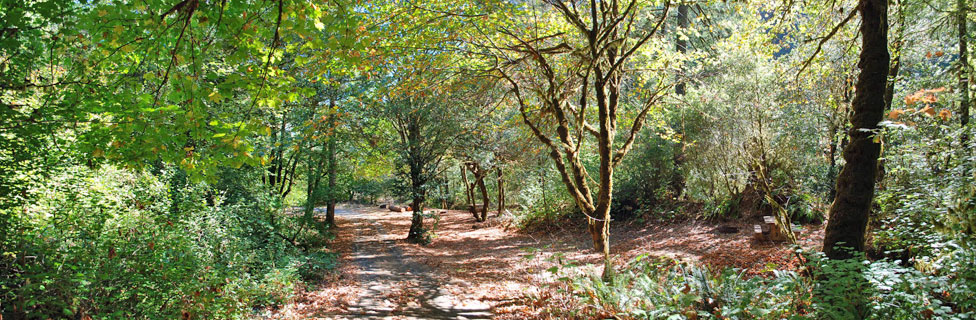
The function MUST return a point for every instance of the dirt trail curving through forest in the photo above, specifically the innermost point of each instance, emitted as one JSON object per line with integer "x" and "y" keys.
{"x": 394, "y": 285}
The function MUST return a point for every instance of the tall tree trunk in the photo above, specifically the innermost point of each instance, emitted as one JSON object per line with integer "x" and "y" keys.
{"x": 484, "y": 196}
{"x": 446, "y": 187}
{"x": 501, "y": 192}
{"x": 333, "y": 166}
{"x": 682, "y": 44}
{"x": 963, "y": 9}
{"x": 848, "y": 216}
{"x": 311, "y": 192}
{"x": 896, "y": 48}
{"x": 418, "y": 180}
{"x": 607, "y": 99}
{"x": 677, "y": 182}
{"x": 467, "y": 190}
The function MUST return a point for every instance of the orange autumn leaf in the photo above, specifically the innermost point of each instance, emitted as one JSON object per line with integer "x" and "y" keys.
{"x": 939, "y": 53}
{"x": 928, "y": 111}
{"x": 924, "y": 96}
{"x": 895, "y": 113}
{"x": 945, "y": 114}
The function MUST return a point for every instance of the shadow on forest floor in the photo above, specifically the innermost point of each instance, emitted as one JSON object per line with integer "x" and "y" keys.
{"x": 483, "y": 270}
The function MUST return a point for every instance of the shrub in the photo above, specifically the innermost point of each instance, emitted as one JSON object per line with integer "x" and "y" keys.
{"x": 667, "y": 290}
{"x": 836, "y": 289}
{"x": 114, "y": 243}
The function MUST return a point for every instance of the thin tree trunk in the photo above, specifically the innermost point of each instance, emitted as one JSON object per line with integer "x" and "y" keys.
{"x": 311, "y": 195}
{"x": 855, "y": 183}
{"x": 896, "y": 46}
{"x": 445, "y": 191}
{"x": 963, "y": 66}
{"x": 677, "y": 182}
{"x": 681, "y": 43}
{"x": 501, "y": 192}
{"x": 333, "y": 167}
{"x": 484, "y": 196}
{"x": 467, "y": 189}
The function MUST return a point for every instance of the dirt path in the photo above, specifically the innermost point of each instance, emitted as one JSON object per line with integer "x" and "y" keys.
{"x": 394, "y": 285}
{"x": 478, "y": 270}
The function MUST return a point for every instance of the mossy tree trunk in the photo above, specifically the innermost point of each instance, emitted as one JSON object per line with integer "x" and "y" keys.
{"x": 848, "y": 215}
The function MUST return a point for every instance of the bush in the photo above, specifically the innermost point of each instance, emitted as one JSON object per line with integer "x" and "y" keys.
{"x": 114, "y": 243}
{"x": 836, "y": 289}
{"x": 668, "y": 290}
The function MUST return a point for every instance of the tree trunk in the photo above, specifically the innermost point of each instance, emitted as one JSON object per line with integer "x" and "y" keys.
{"x": 416, "y": 232}
{"x": 682, "y": 44}
{"x": 963, "y": 66}
{"x": 311, "y": 192}
{"x": 501, "y": 192}
{"x": 600, "y": 231}
{"x": 896, "y": 48}
{"x": 855, "y": 183}
{"x": 677, "y": 183}
{"x": 468, "y": 193}
{"x": 484, "y": 196}
{"x": 331, "y": 202}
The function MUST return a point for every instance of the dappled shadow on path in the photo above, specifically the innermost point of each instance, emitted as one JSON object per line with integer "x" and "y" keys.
{"x": 394, "y": 285}
{"x": 480, "y": 270}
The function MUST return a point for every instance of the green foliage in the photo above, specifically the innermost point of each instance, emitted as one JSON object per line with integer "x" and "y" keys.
{"x": 647, "y": 176}
{"x": 724, "y": 208}
{"x": 836, "y": 289}
{"x": 861, "y": 289}
{"x": 668, "y": 290}
{"x": 113, "y": 243}
{"x": 927, "y": 196}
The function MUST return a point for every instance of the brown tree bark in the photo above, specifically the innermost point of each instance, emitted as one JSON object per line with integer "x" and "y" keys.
{"x": 468, "y": 190}
{"x": 416, "y": 232}
{"x": 479, "y": 180}
{"x": 681, "y": 43}
{"x": 484, "y": 198}
{"x": 331, "y": 200}
{"x": 677, "y": 182}
{"x": 501, "y": 192}
{"x": 962, "y": 10}
{"x": 848, "y": 215}
{"x": 896, "y": 48}
{"x": 417, "y": 180}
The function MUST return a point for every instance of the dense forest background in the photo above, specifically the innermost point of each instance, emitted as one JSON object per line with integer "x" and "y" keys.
{"x": 167, "y": 158}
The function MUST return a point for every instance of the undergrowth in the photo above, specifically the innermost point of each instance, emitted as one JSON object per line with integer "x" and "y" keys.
{"x": 825, "y": 289}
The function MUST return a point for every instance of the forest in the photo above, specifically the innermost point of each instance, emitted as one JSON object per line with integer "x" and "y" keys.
{"x": 487, "y": 159}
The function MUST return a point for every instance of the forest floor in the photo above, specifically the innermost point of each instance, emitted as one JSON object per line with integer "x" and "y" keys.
{"x": 485, "y": 270}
